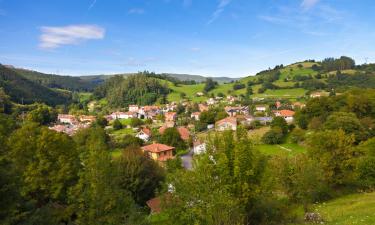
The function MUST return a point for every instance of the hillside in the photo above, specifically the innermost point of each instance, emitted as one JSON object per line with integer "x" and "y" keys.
{"x": 56, "y": 81}
{"x": 22, "y": 90}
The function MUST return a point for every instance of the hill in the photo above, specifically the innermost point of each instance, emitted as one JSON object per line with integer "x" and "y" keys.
{"x": 56, "y": 81}
{"x": 22, "y": 90}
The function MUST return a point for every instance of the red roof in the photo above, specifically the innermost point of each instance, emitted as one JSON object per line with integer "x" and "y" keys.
{"x": 286, "y": 112}
{"x": 156, "y": 147}
{"x": 232, "y": 120}
{"x": 154, "y": 205}
{"x": 184, "y": 133}
{"x": 146, "y": 131}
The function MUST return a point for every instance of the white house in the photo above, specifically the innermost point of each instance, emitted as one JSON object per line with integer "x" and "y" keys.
{"x": 133, "y": 108}
{"x": 288, "y": 115}
{"x": 123, "y": 115}
{"x": 199, "y": 147}
{"x": 144, "y": 134}
{"x": 195, "y": 115}
{"x": 261, "y": 108}
{"x": 66, "y": 118}
{"x": 229, "y": 123}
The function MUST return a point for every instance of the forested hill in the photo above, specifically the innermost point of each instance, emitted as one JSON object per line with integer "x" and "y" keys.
{"x": 22, "y": 90}
{"x": 56, "y": 81}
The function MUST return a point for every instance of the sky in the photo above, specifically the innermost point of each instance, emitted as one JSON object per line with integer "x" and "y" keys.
{"x": 232, "y": 38}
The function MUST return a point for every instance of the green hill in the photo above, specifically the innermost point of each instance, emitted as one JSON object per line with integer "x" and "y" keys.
{"x": 22, "y": 90}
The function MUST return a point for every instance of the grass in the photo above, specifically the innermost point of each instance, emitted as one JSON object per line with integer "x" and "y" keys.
{"x": 116, "y": 153}
{"x": 123, "y": 132}
{"x": 292, "y": 93}
{"x": 358, "y": 209}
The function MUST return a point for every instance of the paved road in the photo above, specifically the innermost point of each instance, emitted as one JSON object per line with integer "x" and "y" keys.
{"x": 187, "y": 160}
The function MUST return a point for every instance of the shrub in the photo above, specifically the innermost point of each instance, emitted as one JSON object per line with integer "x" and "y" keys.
{"x": 274, "y": 136}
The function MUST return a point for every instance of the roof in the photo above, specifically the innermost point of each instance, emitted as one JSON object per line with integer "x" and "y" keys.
{"x": 154, "y": 205}
{"x": 156, "y": 147}
{"x": 184, "y": 133}
{"x": 146, "y": 131}
{"x": 65, "y": 116}
{"x": 232, "y": 120}
{"x": 286, "y": 112}
{"x": 195, "y": 113}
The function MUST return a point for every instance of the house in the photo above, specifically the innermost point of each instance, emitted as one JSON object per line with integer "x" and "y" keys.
{"x": 260, "y": 108}
{"x": 184, "y": 133}
{"x": 245, "y": 119}
{"x": 319, "y": 94}
{"x": 202, "y": 107}
{"x": 199, "y": 147}
{"x": 211, "y": 101}
{"x": 298, "y": 105}
{"x": 199, "y": 94}
{"x": 278, "y": 104}
{"x": 264, "y": 120}
{"x": 144, "y": 134}
{"x": 87, "y": 119}
{"x": 231, "y": 99}
{"x": 158, "y": 152}
{"x": 235, "y": 110}
{"x": 123, "y": 115}
{"x": 133, "y": 108}
{"x": 155, "y": 205}
{"x": 66, "y": 118}
{"x": 195, "y": 115}
{"x": 170, "y": 116}
{"x": 229, "y": 123}
{"x": 288, "y": 115}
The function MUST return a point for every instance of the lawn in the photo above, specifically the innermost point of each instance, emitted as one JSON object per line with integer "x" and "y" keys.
{"x": 356, "y": 209}
{"x": 189, "y": 90}
{"x": 123, "y": 132}
{"x": 292, "y": 93}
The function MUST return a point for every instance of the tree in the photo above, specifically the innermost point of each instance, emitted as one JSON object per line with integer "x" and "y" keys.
{"x": 273, "y": 136}
{"x": 138, "y": 174}
{"x": 249, "y": 90}
{"x": 333, "y": 150}
{"x": 297, "y": 135}
{"x": 366, "y": 164}
{"x": 281, "y": 123}
{"x": 42, "y": 114}
{"x": 210, "y": 84}
{"x": 348, "y": 122}
{"x": 47, "y": 161}
{"x": 117, "y": 125}
{"x": 135, "y": 122}
{"x": 172, "y": 137}
{"x": 101, "y": 122}
{"x": 97, "y": 198}
{"x": 5, "y": 103}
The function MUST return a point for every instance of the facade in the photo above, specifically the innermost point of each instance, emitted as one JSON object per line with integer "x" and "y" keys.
{"x": 170, "y": 116}
{"x": 195, "y": 115}
{"x": 159, "y": 152}
{"x": 261, "y": 108}
{"x": 133, "y": 108}
{"x": 199, "y": 147}
{"x": 229, "y": 123}
{"x": 144, "y": 134}
{"x": 66, "y": 118}
{"x": 288, "y": 115}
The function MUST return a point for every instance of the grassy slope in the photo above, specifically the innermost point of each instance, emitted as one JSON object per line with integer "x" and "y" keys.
{"x": 356, "y": 209}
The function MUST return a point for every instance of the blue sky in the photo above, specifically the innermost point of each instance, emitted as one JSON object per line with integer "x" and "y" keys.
{"x": 209, "y": 37}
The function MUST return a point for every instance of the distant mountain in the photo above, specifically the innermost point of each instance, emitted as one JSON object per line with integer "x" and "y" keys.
{"x": 23, "y": 90}
{"x": 56, "y": 81}
{"x": 181, "y": 77}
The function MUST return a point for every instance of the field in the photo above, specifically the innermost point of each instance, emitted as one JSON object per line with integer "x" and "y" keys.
{"x": 356, "y": 209}
{"x": 292, "y": 93}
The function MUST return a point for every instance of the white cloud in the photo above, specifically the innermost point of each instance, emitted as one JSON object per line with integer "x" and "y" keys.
{"x": 54, "y": 37}
{"x": 136, "y": 11}
{"x": 308, "y": 4}
{"x": 219, "y": 10}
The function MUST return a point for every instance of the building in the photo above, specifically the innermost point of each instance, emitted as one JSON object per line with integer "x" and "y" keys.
{"x": 123, "y": 115}
{"x": 235, "y": 110}
{"x": 288, "y": 115}
{"x": 298, "y": 105}
{"x": 229, "y": 123}
{"x": 199, "y": 94}
{"x": 211, "y": 101}
{"x": 133, "y": 108}
{"x": 159, "y": 152}
{"x": 170, "y": 116}
{"x": 203, "y": 107}
{"x": 199, "y": 147}
{"x": 184, "y": 133}
{"x": 87, "y": 119}
{"x": 144, "y": 134}
{"x": 264, "y": 120}
{"x": 261, "y": 108}
{"x": 319, "y": 94}
{"x": 66, "y": 118}
{"x": 195, "y": 115}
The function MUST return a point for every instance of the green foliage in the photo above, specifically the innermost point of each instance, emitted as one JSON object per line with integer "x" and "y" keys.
{"x": 127, "y": 140}
{"x": 172, "y": 137}
{"x": 117, "y": 125}
{"x": 297, "y": 135}
{"x": 281, "y": 123}
{"x": 135, "y": 89}
{"x": 22, "y": 90}
{"x": 366, "y": 165}
{"x": 138, "y": 174}
{"x": 343, "y": 63}
{"x": 209, "y": 85}
{"x": 273, "y": 136}
{"x": 135, "y": 122}
{"x": 334, "y": 152}
{"x": 42, "y": 114}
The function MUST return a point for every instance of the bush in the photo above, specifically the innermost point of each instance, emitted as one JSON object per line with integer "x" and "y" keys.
{"x": 274, "y": 136}
{"x": 126, "y": 141}
{"x": 135, "y": 122}
{"x": 297, "y": 135}
{"x": 117, "y": 125}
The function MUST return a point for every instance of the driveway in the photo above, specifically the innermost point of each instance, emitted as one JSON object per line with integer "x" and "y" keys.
{"x": 187, "y": 160}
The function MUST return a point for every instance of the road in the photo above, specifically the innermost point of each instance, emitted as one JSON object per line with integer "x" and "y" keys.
{"x": 187, "y": 160}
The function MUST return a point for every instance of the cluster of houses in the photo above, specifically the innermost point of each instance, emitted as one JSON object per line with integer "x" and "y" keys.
{"x": 70, "y": 124}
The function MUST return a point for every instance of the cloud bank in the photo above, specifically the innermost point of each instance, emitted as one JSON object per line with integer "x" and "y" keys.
{"x": 54, "y": 37}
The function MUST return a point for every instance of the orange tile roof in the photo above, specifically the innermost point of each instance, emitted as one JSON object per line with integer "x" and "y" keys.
{"x": 286, "y": 112}
{"x": 184, "y": 133}
{"x": 232, "y": 120}
{"x": 146, "y": 131}
{"x": 156, "y": 147}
